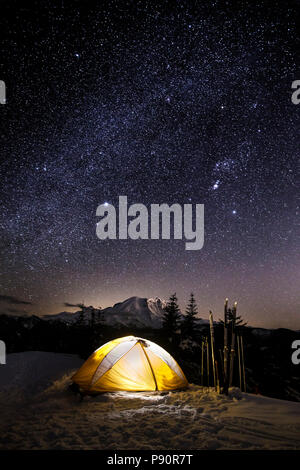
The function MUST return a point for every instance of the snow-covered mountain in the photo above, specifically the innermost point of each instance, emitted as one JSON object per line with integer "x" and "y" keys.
{"x": 135, "y": 311}
{"x": 67, "y": 317}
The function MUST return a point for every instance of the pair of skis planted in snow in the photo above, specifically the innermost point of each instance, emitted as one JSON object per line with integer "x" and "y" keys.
{"x": 205, "y": 355}
{"x": 210, "y": 350}
{"x": 206, "y": 349}
{"x": 228, "y": 356}
{"x": 230, "y": 322}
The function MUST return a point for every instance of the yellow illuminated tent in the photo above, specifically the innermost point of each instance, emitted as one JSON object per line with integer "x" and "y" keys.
{"x": 132, "y": 364}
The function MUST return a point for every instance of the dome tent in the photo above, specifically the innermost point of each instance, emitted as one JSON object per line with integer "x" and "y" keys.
{"x": 130, "y": 364}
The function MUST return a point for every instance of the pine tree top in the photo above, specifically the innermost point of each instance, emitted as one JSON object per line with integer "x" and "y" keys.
{"x": 191, "y": 309}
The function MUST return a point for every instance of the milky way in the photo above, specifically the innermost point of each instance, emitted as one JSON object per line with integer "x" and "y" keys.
{"x": 177, "y": 103}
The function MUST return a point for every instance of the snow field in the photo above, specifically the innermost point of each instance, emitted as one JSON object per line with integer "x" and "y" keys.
{"x": 39, "y": 412}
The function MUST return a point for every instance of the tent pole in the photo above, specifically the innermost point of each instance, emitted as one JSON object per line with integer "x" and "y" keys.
{"x": 156, "y": 388}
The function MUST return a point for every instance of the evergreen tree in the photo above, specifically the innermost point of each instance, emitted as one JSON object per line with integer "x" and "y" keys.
{"x": 95, "y": 327}
{"x": 98, "y": 323}
{"x": 80, "y": 321}
{"x": 81, "y": 330}
{"x": 99, "y": 319}
{"x": 172, "y": 315}
{"x": 92, "y": 311}
{"x": 189, "y": 324}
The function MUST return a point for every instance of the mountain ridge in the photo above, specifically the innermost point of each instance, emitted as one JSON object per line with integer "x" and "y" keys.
{"x": 137, "y": 311}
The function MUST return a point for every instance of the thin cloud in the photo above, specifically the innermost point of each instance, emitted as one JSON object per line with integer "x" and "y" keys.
{"x": 14, "y": 310}
{"x": 67, "y": 304}
{"x": 13, "y": 300}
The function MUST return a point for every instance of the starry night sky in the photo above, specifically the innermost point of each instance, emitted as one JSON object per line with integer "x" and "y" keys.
{"x": 186, "y": 102}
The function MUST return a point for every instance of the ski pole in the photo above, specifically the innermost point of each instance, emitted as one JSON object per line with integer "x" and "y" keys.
{"x": 239, "y": 357}
{"x": 207, "y": 361}
{"x": 243, "y": 364}
{"x": 202, "y": 362}
{"x": 225, "y": 362}
{"x": 212, "y": 345}
{"x": 232, "y": 349}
